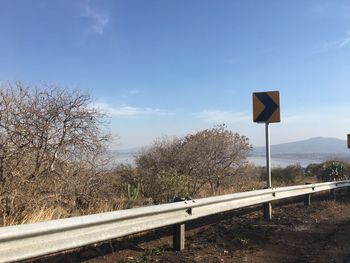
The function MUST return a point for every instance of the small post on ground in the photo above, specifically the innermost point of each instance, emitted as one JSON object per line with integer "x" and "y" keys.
{"x": 307, "y": 199}
{"x": 268, "y": 206}
{"x": 333, "y": 194}
{"x": 267, "y": 211}
{"x": 179, "y": 237}
{"x": 178, "y": 232}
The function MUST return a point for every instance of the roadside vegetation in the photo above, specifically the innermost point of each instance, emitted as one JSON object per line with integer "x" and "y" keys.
{"x": 54, "y": 161}
{"x": 52, "y": 153}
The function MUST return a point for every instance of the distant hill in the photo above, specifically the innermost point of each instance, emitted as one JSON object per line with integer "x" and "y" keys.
{"x": 314, "y": 148}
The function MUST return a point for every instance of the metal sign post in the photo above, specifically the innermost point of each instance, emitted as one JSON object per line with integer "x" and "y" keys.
{"x": 268, "y": 155}
{"x": 266, "y": 109}
{"x": 267, "y": 207}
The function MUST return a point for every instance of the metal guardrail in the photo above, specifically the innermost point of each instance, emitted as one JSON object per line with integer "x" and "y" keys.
{"x": 33, "y": 240}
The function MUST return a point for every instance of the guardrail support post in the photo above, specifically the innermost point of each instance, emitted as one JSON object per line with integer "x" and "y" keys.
{"x": 179, "y": 237}
{"x": 333, "y": 194}
{"x": 307, "y": 199}
{"x": 267, "y": 211}
{"x": 179, "y": 231}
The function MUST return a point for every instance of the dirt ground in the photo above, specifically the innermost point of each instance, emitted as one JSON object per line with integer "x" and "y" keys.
{"x": 318, "y": 233}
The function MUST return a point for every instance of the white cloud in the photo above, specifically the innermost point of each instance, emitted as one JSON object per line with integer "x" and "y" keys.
{"x": 220, "y": 116}
{"x": 345, "y": 42}
{"x": 341, "y": 42}
{"x": 98, "y": 18}
{"x": 125, "y": 111}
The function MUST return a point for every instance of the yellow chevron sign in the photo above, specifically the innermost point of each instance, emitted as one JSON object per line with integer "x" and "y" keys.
{"x": 266, "y": 106}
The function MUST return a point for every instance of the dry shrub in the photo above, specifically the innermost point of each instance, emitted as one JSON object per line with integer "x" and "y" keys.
{"x": 209, "y": 158}
{"x": 290, "y": 175}
{"x": 52, "y": 152}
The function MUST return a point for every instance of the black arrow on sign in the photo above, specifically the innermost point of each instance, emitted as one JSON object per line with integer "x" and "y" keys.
{"x": 270, "y": 107}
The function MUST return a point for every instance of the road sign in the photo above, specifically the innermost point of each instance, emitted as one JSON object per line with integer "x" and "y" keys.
{"x": 266, "y": 109}
{"x": 348, "y": 140}
{"x": 266, "y": 106}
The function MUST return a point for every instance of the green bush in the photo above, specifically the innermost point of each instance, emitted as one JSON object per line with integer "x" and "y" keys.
{"x": 165, "y": 185}
{"x": 288, "y": 175}
{"x": 133, "y": 192}
{"x": 313, "y": 169}
{"x": 334, "y": 171}
{"x": 329, "y": 171}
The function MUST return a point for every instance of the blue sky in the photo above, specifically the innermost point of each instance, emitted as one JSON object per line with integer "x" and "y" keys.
{"x": 175, "y": 67}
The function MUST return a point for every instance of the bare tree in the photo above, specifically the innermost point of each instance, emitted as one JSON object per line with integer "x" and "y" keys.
{"x": 47, "y": 134}
{"x": 163, "y": 158}
{"x": 211, "y": 155}
{"x": 207, "y": 157}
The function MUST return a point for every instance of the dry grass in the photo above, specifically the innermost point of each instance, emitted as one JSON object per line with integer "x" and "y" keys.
{"x": 56, "y": 206}
{"x": 38, "y": 215}
{"x": 45, "y": 214}
{"x": 52, "y": 213}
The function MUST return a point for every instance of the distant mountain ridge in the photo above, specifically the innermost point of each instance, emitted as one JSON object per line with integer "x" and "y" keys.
{"x": 312, "y": 146}
{"x": 313, "y": 150}
{"x": 315, "y": 145}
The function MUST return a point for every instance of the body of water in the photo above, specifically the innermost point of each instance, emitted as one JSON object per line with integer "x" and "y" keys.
{"x": 255, "y": 160}
{"x": 281, "y": 162}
